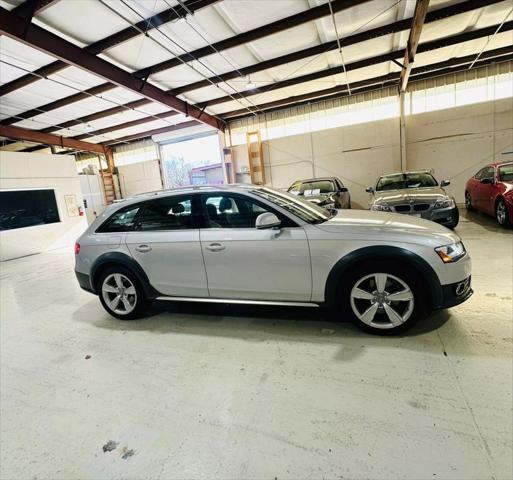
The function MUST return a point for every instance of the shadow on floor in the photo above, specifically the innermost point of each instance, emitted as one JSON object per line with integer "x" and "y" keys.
{"x": 259, "y": 324}
{"x": 481, "y": 220}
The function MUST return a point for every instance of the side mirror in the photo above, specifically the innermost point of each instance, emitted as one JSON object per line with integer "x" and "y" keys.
{"x": 444, "y": 183}
{"x": 487, "y": 181}
{"x": 267, "y": 220}
{"x": 369, "y": 190}
{"x": 342, "y": 189}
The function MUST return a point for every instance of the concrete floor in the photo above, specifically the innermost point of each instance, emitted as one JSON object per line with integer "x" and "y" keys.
{"x": 233, "y": 392}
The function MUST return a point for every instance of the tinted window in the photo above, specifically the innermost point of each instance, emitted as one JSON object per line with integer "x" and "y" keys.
{"x": 486, "y": 172}
{"x": 170, "y": 213}
{"x": 303, "y": 209}
{"x": 406, "y": 180}
{"x": 121, "y": 221}
{"x": 506, "y": 173}
{"x": 225, "y": 211}
{"x": 26, "y": 208}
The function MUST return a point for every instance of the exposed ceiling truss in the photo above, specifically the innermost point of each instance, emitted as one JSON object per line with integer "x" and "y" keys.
{"x": 18, "y": 24}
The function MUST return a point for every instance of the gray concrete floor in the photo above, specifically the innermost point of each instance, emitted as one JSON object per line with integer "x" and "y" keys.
{"x": 225, "y": 392}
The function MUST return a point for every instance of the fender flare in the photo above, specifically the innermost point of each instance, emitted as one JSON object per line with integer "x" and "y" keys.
{"x": 383, "y": 253}
{"x": 112, "y": 258}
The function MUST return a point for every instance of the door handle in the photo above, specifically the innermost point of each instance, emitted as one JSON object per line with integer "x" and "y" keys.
{"x": 143, "y": 248}
{"x": 215, "y": 247}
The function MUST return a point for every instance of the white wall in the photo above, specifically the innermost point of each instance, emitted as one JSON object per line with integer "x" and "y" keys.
{"x": 35, "y": 170}
{"x": 455, "y": 143}
{"x": 139, "y": 178}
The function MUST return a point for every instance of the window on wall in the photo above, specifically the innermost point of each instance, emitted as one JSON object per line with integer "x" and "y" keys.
{"x": 27, "y": 208}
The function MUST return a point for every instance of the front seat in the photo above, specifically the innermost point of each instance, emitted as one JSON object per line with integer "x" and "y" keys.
{"x": 213, "y": 220}
{"x": 224, "y": 206}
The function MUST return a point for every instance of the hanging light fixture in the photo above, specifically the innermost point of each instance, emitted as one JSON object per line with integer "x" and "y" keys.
{"x": 250, "y": 85}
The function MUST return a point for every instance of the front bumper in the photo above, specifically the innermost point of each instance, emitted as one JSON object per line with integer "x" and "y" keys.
{"x": 444, "y": 216}
{"x": 455, "y": 293}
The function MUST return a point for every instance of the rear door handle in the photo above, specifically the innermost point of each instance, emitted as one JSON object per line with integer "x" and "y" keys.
{"x": 215, "y": 247}
{"x": 143, "y": 248}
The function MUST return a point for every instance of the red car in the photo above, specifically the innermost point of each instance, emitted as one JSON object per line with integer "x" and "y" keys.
{"x": 491, "y": 191}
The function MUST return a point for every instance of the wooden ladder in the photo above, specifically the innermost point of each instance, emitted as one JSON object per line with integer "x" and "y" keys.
{"x": 108, "y": 187}
{"x": 255, "y": 158}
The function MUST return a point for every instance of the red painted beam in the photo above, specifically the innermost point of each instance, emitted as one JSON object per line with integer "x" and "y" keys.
{"x": 43, "y": 40}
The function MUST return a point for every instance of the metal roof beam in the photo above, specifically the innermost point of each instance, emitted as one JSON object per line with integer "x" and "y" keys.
{"x": 43, "y": 40}
{"x": 424, "y": 47}
{"x": 419, "y": 16}
{"x": 149, "y": 133}
{"x": 236, "y": 40}
{"x": 29, "y": 8}
{"x": 351, "y": 40}
{"x": 17, "y": 133}
{"x": 420, "y": 73}
{"x": 394, "y": 27}
{"x": 105, "y": 43}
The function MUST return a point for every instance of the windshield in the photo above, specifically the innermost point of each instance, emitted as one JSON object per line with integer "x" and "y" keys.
{"x": 506, "y": 173}
{"x": 399, "y": 181}
{"x": 306, "y": 211}
{"x": 316, "y": 187}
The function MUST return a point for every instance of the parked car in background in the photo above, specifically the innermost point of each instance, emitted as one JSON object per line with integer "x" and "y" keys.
{"x": 490, "y": 190}
{"x": 326, "y": 192}
{"x": 257, "y": 245}
{"x": 417, "y": 194}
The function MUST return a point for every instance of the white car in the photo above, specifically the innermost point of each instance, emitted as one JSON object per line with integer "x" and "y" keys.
{"x": 256, "y": 245}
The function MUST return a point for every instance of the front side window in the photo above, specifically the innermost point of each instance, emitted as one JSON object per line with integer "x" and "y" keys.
{"x": 306, "y": 211}
{"x": 27, "y": 208}
{"x": 231, "y": 211}
{"x": 169, "y": 213}
{"x": 506, "y": 173}
{"x": 401, "y": 181}
{"x": 121, "y": 221}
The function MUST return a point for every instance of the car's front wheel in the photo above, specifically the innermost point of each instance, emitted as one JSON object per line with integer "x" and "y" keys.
{"x": 384, "y": 299}
{"x": 468, "y": 202}
{"x": 501, "y": 213}
{"x": 121, "y": 293}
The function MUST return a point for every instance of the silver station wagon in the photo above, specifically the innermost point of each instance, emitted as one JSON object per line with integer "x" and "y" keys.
{"x": 256, "y": 245}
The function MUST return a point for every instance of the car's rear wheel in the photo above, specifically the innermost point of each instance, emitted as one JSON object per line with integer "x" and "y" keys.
{"x": 384, "y": 299}
{"x": 121, "y": 293}
{"x": 501, "y": 213}
{"x": 468, "y": 202}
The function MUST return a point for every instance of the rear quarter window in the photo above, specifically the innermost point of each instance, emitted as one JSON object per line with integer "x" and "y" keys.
{"x": 121, "y": 221}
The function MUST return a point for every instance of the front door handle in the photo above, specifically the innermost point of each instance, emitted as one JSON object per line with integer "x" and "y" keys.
{"x": 215, "y": 247}
{"x": 143, "y": 248}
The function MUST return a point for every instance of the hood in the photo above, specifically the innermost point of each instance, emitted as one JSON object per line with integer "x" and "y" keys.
{"x": 418, "y": 195}
{"x": 389, "y": 226}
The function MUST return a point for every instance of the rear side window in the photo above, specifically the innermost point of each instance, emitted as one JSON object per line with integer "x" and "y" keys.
{"x": 121, "y": 221}
{"x": 170, "y": 213}
{"x": 506, "y": 173}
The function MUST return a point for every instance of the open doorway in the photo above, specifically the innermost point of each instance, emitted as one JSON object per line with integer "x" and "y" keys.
{"x": 192, "y": 161}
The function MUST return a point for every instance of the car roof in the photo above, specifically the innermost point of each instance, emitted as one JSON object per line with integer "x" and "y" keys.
{"x": 141, "y": 197}
{"x": 316, "y": 179}
{"x": 499, "y": 164}
{"x": 406, "y": 173}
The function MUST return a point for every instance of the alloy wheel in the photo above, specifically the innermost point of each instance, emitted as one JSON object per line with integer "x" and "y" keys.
{"x": 468, "y": 201}
{"x": 501, "y": 212}
{"x": 119, "y": 293}
{"x": 382, "y": 300}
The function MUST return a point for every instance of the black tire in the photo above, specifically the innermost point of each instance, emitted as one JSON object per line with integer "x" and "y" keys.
{"x": 502, "y": 213}
{"x": 455, "y": 221}
{"x": 140, "y": 302}
{"x": 468, "y": 203}
{"x": 407, "y": 275}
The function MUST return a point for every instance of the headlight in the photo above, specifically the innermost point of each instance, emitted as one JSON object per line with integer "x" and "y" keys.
{"x": 451, "y": 253}
{"x": 381, "y": 207}
{"x": 449, "y": 203}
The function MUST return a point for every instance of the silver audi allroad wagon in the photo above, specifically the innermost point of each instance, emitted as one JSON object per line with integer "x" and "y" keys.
{"x": 256, "y": 245}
